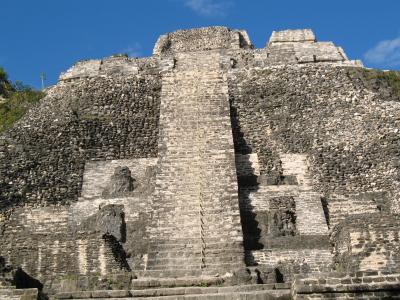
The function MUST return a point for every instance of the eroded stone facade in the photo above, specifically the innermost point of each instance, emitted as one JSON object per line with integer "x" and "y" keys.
{"x": 209, "y": 163}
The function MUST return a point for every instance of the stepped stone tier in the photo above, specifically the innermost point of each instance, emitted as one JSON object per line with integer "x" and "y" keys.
{"x": 210, "y": 170}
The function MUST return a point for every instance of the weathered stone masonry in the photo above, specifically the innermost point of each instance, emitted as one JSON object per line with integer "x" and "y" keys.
{"x": 209, "y": 163}
{"x": 82, "y": 123}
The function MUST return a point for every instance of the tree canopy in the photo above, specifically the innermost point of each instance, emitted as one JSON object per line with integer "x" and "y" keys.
{"x": 15, "y": 100}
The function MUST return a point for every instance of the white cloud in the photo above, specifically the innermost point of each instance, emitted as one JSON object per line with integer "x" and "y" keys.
{"x": 134, "y": 50}
{"x": 208, "y": 8}
{"x": 385, "y": 53}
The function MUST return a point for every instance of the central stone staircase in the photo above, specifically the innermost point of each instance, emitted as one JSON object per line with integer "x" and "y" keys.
{"x": 196, "y": 210}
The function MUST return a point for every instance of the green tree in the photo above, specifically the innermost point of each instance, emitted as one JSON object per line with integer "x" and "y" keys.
{"x": 17, "y": 99}
{"x": 5, "y": 86}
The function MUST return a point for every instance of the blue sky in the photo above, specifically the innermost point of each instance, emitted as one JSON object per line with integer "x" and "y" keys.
{"x": 51, "y": 35}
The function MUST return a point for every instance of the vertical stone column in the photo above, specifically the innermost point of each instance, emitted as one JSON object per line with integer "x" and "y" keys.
{"x": 196, "y": 222}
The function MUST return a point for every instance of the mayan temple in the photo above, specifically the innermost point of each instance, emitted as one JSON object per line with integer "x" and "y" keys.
{"x": 210, "y": 170}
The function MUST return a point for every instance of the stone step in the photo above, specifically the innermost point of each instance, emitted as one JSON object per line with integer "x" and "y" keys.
{"x": 193, "y": 252}
{"x": 184, "y": 281}
{"x": 7, "y": 288}
{"x": 166, "y": 262}
{"x": 194, "y": 230}
{"x": 199, "y": 250}
{"x": 210, "y": 202}
{"x": 195, "y": 219}
{"x": 260, "y": 291}
{"x": 175, "y": 246}
{"x": 189, "y": 265}
{"x": 194, "y": 236}
{"x": 176, "y": 254}
{"x": 208, "y": 259}
{"x": 257, "y": 295}
{"x": 193, "y": 243}
{"x": 164, "y": 250}
{"x": 12, "y": 293}
{"x": 210, "y": 269}
{"x": 208, "y": 290}
{"x": 210, "y": 247}
{"x": 208, "y": 208}
{"x": 178, "y": 273}
{"x": 179, "y": 254}
{"x": 207, "y": 213}
{"x": 218, "y": 259}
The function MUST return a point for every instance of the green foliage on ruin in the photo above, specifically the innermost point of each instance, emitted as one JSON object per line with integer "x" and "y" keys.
{"x": 378, "y": 80}
{"x": 15, "y": 100}
{"x": 390, "y": 78}
{"x": 5, "y": 85}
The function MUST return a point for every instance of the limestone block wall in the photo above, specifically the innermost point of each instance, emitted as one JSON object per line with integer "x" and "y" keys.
{"x": 360, "y": 285}
{"x": 368, "y": 242}
{"x": 297, "y": 35}
{"x": 347, "y": 168}
{"x": 114, "y": 65}
{"x": 57, "y": 240}
{"x": 276, "y": 54}
{"x": 208, "y": 38}
{"x": 249, "y": 142}
{"x": 97, "y": 175}
{"x": 340, "y": 207}
{"x": 43, "y": 157}
{"x": 121, "y": 65}
{"x": 100, "y": 118}
{"x": 89, "y": 68}
{"x": 299, "y": 47}
{"x": 42, "y": 242}
{"x": 283, "y": 109}
{"x": 318, "y": 52}
{"x": 299, "y": 247}
{"x": 300, "y": 260}
{"x": 136, "y": 205}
